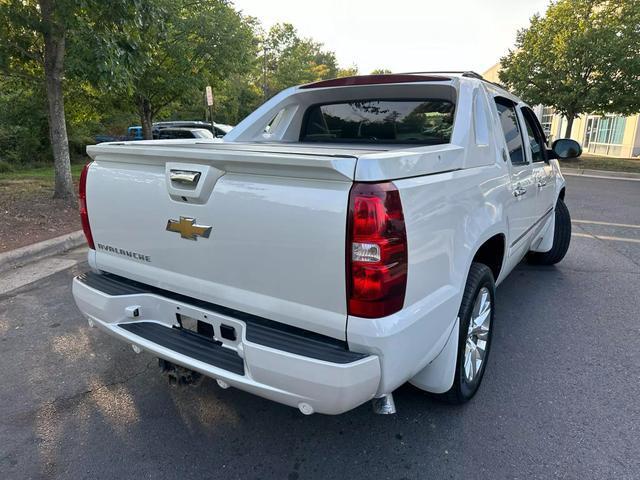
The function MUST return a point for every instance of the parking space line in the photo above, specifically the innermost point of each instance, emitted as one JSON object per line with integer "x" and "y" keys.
{"x": 33, "y": 272}
{"x": 593, "y": 222}
{"x": 604, "y": 177}
{"x": 605, "y": 237}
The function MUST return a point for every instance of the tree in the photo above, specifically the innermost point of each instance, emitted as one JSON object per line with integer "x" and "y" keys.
{"x": 199, "y": 42}
{"x": 288, "y": 59}
{"x": 33, "y": 43}
{"x": 380, "y": 71}
{"x": 348, "y": 71}
{"x": 582, "y": 57}
{"x": 34, "y": 36}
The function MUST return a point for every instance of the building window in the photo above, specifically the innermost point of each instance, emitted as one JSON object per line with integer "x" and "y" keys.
{"x": 546, "y": 119}
{"x": 604, "y": 135}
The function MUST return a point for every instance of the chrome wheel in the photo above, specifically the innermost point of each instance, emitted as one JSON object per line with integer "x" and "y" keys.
{"x": 475, "y": 349}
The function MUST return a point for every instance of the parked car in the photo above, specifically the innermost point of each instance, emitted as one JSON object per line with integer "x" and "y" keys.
{"x": 167, "y": 133}
{"x": 346, "y": 238}
{"x": 218, "y": 129}
{"x": 133, "y": 133}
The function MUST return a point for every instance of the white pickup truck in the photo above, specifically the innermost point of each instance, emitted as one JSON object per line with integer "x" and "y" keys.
{"x": 345, "y": 238}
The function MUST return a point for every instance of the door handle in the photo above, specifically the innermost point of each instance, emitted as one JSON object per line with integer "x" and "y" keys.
{"x": 519, "y": 191}
{"x": 542, "y": 182}
{"x": 184, "y": 177}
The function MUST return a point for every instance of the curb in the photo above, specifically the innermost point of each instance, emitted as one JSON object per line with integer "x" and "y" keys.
{"x": 599, "y": 173}
{"x": 31, "y": 253}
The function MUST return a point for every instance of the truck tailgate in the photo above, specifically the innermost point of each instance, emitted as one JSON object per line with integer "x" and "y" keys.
{"x": 260, "y": 232}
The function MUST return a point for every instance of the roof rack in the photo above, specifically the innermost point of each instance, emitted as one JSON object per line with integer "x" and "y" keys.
{"x": 462, "y": 73}
{"x": 473, "y": 74}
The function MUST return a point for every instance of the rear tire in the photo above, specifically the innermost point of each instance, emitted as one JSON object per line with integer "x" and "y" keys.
{"x": 561, "y": 238}
{"x": 476, "y": 330}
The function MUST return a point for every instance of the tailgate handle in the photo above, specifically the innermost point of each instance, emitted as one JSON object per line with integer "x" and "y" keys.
{"x": 184, "y": 177}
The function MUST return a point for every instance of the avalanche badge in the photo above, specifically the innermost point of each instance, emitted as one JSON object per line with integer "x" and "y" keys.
{"x": 188, "y": 229}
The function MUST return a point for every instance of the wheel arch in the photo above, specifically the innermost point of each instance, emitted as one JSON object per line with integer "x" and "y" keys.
{"x": 562, "y": 192}
{"x": 492, "y": 253}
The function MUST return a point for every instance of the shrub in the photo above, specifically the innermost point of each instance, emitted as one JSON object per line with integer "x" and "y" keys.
{"x": 5, "y": 167}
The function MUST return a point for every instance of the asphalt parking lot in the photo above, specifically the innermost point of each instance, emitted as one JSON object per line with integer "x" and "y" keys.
{"x": 561, "y": 398}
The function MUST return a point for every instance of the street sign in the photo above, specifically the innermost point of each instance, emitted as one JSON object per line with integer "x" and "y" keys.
{"x": 209, "y": 96}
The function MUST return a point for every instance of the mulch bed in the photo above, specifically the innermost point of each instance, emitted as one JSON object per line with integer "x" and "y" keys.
{"x": 29, "y": 214}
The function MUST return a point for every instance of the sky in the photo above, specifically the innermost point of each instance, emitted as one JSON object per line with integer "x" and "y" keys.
{"x": 405, "y": 35}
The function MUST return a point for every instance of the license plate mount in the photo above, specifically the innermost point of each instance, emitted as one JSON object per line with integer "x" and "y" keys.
{"x": 196, "y": 326}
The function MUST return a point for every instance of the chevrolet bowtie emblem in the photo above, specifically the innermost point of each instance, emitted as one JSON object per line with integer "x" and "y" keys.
{"x": 188, "y": 229}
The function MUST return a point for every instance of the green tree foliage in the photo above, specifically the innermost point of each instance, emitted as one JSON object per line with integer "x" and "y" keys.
{"x": 72, "y": 69}
{"x": 583, "y": 56}
{"x": 23, "y": 122}
{"x": 288, "y": 59}
{"x": 34, "y": 42}
{"x": 204, "y": 42}
{"x": 380, "y": 71}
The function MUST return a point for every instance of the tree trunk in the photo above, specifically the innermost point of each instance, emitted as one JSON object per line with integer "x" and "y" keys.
{"x": 146, "y": 118}
{"x": 54, "y": 44}
{"x": 567, "y": 133}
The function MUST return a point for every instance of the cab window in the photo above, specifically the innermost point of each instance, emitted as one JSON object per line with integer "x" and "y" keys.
{"x": 534, "y": 135}
{"x": 404, "y": 121}
{"x": 511, "y": 129}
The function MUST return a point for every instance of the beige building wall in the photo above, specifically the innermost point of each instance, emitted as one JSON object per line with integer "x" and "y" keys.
{"x": 628, "y": 147}
{"x": 492, "y": 74}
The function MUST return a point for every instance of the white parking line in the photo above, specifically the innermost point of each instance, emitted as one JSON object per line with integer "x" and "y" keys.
{"x": 592, "y": 222}
{"x": 33, "y": 272}
{"x": 601, "y": 176}
{"x": 605, "y": 237}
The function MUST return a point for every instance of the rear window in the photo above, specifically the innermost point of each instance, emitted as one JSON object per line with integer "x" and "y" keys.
{"x": 423, "y": 122}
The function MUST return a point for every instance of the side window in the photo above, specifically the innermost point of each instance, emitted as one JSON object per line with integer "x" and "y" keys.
{"x": 273, "y": 123}
{"x": 534, "y": 135}
{"x": 509, "y": 121}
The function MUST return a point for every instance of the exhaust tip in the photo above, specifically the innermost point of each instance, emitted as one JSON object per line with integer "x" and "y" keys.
{"x": 384, "y": 405}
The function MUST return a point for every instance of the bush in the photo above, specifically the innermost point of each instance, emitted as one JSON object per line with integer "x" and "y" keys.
{"x": 24, "y": 136}
{"x": 21, "y": 146}
{"x": 5, "y": 167}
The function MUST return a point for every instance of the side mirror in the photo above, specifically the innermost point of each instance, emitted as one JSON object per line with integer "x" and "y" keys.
{"x": 564, "y": 148}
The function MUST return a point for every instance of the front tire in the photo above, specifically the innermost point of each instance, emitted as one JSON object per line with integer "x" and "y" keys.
{"x": 561, "y": 238}
{"x": 474, "y": 342}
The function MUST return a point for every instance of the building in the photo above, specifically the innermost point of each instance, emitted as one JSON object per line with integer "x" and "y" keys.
{"x": 610, "y": 135}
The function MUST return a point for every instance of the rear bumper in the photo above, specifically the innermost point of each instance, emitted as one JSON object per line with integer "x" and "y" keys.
{"x": 275, "y": 362}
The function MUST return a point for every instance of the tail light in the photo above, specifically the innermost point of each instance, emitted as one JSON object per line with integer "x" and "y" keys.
{"x": 84, "y": 215}
{"x": 376, "y": 251}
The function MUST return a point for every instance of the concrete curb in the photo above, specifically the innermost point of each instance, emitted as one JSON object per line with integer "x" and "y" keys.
{"x": 31, "y": 253}
{"x": 600, "y": 173}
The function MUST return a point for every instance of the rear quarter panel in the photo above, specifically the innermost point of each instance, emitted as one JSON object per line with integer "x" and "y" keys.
{"x": 448, "y": 216}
